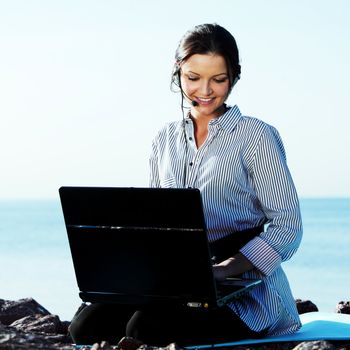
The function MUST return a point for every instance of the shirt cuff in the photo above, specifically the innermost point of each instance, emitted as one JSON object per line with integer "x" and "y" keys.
{"x": 261, "y": 255}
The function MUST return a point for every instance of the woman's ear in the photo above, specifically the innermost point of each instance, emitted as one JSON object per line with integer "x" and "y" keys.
{"x": 235, "y": 81}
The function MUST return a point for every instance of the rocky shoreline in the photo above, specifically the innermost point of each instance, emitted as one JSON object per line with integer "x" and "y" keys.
{"x": 25, "y": 324}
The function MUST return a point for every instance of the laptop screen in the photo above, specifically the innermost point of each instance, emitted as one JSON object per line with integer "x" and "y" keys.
{"x": 133, "y": 244}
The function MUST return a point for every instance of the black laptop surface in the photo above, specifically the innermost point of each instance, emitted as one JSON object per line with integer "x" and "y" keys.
{"x": 133, "y": 245}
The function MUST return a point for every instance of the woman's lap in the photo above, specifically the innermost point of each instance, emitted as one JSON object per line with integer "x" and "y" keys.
{"x": 158, "y": 326}
{"x": 98, "y": 322}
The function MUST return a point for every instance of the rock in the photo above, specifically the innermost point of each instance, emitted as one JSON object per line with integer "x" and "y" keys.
{"x": 41, "y": 324}
{"x": 305, "y": 306}
{"x": 129, "y": 343}
{"x": 315, "y": 345}
{"x": 103, "y": 346}
{"x": 11, "y": 311}
{"x": 25, "y": 324}
{"x": 10, "y": 338}
{"x": 343, "y": 307}
{"x": 172, "y": 346}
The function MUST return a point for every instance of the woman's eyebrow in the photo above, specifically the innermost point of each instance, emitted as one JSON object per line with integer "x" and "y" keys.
{"x": 224, "y": 73}
{"x": 220, "y": 74}
{"x": 192, "y": 72}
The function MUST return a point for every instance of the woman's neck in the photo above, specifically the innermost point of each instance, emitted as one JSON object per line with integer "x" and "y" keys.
{"x": 201, "y": 122}
{"x": 199, "y": 117}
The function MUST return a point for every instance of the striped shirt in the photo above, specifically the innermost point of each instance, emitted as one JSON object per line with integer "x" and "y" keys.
{"x": 243, "y": 177}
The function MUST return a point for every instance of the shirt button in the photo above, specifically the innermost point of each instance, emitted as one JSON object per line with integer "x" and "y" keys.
{"x": 191, "y": 163}
{"x": 190, "y": 138}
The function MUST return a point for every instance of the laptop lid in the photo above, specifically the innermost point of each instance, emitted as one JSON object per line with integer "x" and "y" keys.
{"x": 139, "y": 245}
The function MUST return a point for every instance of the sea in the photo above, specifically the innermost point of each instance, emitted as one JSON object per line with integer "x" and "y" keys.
{"x": 35, "y": 259}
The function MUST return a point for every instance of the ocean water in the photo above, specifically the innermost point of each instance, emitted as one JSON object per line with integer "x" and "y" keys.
{"x": 35, "y": 259}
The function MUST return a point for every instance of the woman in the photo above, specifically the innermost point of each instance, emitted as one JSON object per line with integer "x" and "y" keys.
{"x": 250, "y": 204}
{"x": 239, "y": 165}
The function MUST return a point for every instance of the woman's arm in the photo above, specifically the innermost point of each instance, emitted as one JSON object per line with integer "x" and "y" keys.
{"x": 275, "y": 190}
{"x": 273, "y": 186}
{"x": 234, "y": 266}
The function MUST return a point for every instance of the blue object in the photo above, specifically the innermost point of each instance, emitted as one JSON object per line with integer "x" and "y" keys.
{"x": 316, "y": 326}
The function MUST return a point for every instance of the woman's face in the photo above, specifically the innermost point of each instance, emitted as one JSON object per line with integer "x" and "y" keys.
{"x": 204, "y": 79}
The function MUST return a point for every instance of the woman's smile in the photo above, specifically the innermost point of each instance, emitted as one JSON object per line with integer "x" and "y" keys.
{"x": 204, "y": 101}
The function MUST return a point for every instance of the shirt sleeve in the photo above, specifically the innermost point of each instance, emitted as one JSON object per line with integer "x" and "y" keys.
{"x": 153, "y": 164}
{"x": 277, "y": 195}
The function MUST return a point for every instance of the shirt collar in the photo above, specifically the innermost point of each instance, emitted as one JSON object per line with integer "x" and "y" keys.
{"x": 229, "y": 119}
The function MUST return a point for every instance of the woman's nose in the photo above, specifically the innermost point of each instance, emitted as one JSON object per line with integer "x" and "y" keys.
{"x": 205, "y": 88}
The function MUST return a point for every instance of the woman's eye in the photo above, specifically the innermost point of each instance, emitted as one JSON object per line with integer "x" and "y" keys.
{"x": 221, "y": 80}
{"x": 216, "y": 80}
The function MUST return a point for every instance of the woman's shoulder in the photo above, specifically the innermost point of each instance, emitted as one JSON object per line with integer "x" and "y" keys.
{"x": 255, "y": 122}
{"x": 169, "y": 128}
{"x": 236, "y": 117}
{"x": 255, "y": 132}
{"x": 171, "y": 125}
{"x": 258, "y": 126}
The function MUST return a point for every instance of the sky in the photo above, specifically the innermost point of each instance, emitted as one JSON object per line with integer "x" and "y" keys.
{"x": 85, "y": 86}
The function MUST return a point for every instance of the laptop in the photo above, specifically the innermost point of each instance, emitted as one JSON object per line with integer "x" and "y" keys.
{"x": 138, "y": 245}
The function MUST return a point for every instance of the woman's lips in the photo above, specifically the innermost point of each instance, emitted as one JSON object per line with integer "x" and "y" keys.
{"x": 204, "y": 101}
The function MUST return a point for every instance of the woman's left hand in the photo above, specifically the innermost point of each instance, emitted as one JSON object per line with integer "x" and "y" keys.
{"x": 232, "y": 267}
{"x": 219, "y": 271}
